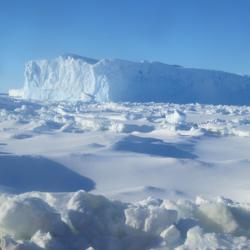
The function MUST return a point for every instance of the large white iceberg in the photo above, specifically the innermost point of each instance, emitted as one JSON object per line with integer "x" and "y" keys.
{"x": 72, "y": 78}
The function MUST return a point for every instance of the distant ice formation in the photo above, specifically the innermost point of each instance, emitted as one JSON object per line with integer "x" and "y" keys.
{"x": 72, "y": 78}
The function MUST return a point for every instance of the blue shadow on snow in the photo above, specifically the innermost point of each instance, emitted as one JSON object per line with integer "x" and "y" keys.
{"x": 155, "y": 147}
{"x": 26, "y": 173}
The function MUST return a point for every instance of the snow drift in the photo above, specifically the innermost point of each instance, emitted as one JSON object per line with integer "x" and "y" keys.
{"x": 72, "y": 78}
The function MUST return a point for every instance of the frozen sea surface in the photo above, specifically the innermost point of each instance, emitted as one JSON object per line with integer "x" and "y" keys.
{"x": 191, "y": 160}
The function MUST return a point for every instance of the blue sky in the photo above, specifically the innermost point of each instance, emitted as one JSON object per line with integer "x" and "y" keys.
{"x": 212, "y": 34}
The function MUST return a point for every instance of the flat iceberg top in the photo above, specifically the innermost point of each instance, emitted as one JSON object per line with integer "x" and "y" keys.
{"x": 77, "y": 57}
{"x": 71, "y": 78}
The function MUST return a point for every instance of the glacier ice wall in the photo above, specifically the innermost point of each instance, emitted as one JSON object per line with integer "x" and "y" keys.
{"x": 71, "y": 77}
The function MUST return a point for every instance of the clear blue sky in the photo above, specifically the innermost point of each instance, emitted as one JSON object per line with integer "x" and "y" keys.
{"x": 212, "y": 34}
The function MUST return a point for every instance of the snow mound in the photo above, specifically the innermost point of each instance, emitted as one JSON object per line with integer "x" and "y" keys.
{"x": 71, "y": 77}
{"x": 84, "y": 221}
{"x": 22, "y": 217}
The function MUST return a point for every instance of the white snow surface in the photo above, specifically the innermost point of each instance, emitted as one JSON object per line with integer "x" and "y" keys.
{"x": 158, "y": 176}
{"x": 71, "y": 78}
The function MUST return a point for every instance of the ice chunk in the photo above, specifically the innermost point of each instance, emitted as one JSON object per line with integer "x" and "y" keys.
{"x": 171, "y": 236}
{"x": 24, "y": 216}
{"x": 197, "y": 239}
{"x": 224, "y": 216}
{"x": 176, "y": 117}
{"x": 217, "y": 217}
{"x": 97, "y": 219}
{"x": 135, "y": 216}
{"x": 159, "y": 219}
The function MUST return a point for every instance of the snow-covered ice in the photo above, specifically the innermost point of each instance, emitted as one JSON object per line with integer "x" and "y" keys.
{"x": 152, "y": 172}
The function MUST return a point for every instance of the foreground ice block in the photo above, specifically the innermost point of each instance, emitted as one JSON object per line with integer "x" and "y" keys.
{"x": 72, "y": 78}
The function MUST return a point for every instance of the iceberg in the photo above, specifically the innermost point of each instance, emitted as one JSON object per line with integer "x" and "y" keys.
{"x": 72, "y": 78}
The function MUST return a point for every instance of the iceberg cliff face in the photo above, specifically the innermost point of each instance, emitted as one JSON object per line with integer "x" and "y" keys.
{"x": 73, "y": 78}
{"x": 65, "y": 78}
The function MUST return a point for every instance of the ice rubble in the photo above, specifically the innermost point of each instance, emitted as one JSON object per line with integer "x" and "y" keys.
{"x": 26, "y": 118}
{"x": 85, "y": 221}
{"x": 71, "y": 77}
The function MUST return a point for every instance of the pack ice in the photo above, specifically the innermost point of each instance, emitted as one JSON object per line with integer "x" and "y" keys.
{"x": 142, "y": 165}
{"x": 71, "y": 77}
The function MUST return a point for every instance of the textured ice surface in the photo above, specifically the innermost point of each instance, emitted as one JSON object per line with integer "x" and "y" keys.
{"x": 35, "y": 221}
{"x": 147, "y": 118}
{"x": 71, "y": 77}
{"x": 130, "y": 151}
